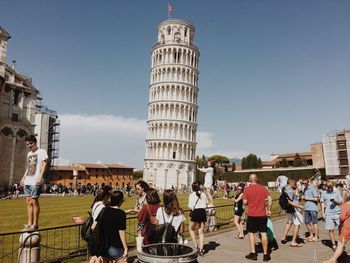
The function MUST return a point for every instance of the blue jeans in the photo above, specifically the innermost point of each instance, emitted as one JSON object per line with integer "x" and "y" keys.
{"x": 115, "y": 252}
{"x": 32, "y": 191}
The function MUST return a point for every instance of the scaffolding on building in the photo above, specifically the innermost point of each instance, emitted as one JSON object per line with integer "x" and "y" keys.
{"x": 336, "y": 147}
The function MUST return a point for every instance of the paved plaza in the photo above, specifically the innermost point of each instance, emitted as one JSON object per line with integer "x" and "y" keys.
{"x": 224, "y": 247}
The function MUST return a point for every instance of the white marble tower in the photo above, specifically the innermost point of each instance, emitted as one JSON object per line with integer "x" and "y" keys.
{"x": 172, "y": 109}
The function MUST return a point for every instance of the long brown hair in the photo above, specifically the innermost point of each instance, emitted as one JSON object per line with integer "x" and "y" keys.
{"x": 170, "y": 202}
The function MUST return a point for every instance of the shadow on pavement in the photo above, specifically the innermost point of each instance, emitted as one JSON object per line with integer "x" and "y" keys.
{"x": 212, "y": 245}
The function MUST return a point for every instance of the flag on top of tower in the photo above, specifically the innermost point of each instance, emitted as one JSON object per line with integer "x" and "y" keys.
{"x": 170, "y": 8}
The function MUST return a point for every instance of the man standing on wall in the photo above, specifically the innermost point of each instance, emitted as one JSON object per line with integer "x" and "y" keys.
{"x": 255, "y": 196}
{"x": 32, "y": 181}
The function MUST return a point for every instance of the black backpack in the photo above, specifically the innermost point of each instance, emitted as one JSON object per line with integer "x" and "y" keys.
{"x": 98, "y": 243}
{"x": 283, "y": 202}
{"x": 165, "y": 233}
{"x": 86, "y": 230}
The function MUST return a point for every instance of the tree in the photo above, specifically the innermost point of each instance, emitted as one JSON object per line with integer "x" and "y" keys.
{"x": 233, "y": 166}
{"x": 219, "y": 159}
{"x": 278, "y": 164}
{"x": 138, "y": 175}
{"x": 298, "y": 161}
{"x": 284, "y": 162}
{"x": 244, "y": 163}
{"x": 251, "y": 162}
{"x": 201, "y": 162}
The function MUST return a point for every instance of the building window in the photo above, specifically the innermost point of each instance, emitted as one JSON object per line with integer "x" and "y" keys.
{"x": 174, "y": 155}
{"x": 186, "y": 32}
{"x": 169, "y": 30}
{"x": 15, "y": 117}
{"x": 16, "y": 98}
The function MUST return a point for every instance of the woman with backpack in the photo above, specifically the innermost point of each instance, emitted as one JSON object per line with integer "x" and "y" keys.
{"x": 197, "y": 202}
{"x": 100, "y": 201}
{"x": 147, "y": 217}
{"x": 109, "y": 233}
{"x": 170, "y": 214}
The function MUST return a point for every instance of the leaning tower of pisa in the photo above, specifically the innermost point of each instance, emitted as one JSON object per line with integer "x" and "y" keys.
{"x": 172, "y": 109}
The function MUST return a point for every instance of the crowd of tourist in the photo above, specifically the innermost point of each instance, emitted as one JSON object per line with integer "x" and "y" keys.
{"x": 307, "y": 201}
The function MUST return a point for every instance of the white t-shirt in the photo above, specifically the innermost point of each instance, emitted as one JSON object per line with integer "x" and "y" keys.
{"x": 202, "y": 201}
{"x": 209, "y": 173}
{"x": 177, "y": 221}
{"x": 282, "y": 181}
{"x": 96, "y": 209}
{"x": 34, "y": 165}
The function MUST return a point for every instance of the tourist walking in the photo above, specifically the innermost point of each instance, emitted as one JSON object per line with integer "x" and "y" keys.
{"x": 209, "y": 180}
{"x": 238, "y": 210}
{"x": 171, "y": 213}
{"x": 281, "y": 182}
{"x": 197, "y": 203}
{"x": 112, "y": 225}
{"x": 344, "y": 235}
{"x": 311, "y": 199}
{"x": 147, "y": 215}
{"x": 330, "y": 210}
{"x": 294, "y": 215}
{"x": 32, "y": 181}
{"x": 255, "y": 197}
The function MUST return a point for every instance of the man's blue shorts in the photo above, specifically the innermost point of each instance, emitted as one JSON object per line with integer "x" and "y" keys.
{"x": 32, "y": 191}
{"x": 310, "y": 217}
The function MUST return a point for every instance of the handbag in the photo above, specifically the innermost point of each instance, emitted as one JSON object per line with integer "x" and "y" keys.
{"x": 192, "y": 210}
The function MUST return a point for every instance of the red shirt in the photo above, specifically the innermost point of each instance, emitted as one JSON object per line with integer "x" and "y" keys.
{"x": 144, "y": 218}
{"x": 256, "y": 196}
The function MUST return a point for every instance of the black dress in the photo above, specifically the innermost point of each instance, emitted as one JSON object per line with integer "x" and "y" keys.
{"x": 238, "y": 206}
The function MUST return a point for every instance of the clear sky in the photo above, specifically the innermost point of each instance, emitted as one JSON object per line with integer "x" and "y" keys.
{"x": 274, "y": 74}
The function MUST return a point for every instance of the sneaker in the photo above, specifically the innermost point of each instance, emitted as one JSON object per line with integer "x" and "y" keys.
{"x": 267, "y": 258}
{"x": 252, "y": 256}
{"x": 26, "y": 228}
{"x": 34, "y": 227}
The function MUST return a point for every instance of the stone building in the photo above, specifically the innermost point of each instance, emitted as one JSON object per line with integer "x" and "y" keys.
{"x": 114, "y": 174}
{"x": 336, "y": 147}
{"x": 172, "y": 109}
{"x": 21, "y": 115}
{"x": 17, "y": 116}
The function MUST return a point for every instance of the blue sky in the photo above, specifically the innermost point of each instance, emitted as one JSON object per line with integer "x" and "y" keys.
{"x": 274, "y": 75}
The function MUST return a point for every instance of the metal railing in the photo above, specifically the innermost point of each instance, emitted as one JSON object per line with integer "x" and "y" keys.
{"x": 64, "y": 243}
